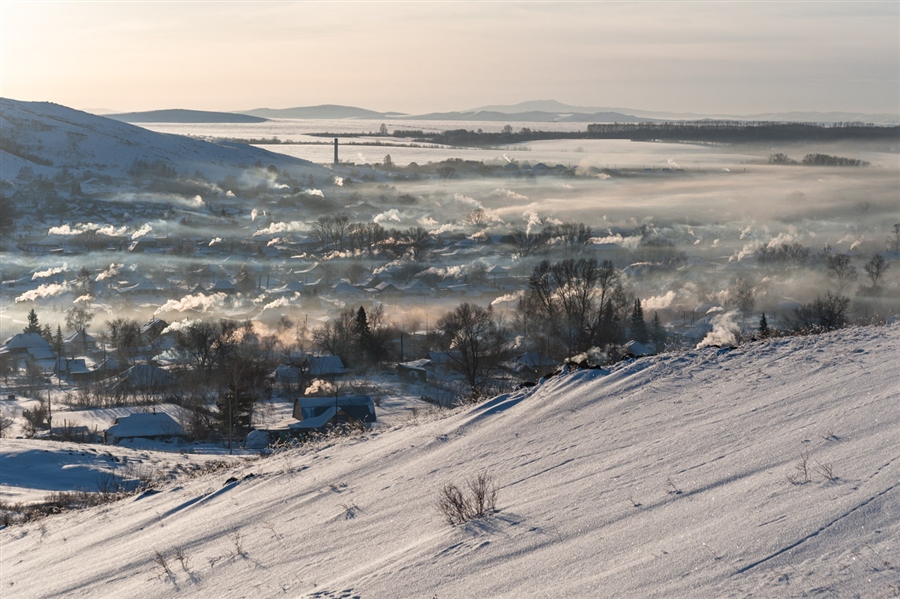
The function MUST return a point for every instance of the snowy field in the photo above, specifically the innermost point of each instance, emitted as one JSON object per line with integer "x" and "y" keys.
{"x": 601, "y": 153}
{"x": 670, "y": 476}
{"x": 31, "y": 469}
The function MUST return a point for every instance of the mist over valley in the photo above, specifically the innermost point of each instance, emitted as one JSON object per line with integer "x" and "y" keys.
{"x": 281, "y": 352}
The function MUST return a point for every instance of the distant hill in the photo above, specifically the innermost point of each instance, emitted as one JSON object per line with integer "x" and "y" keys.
{"x": 48, "y": 138}
{"x": 325, "y": 111}
{"x": 552, "y": 111}
{"x": 534, "y": 116}
{"x": 564, "y": 114}
{"x": 178, "y": 115}
{"x": 599, "y": 114}
{"x": 543, "y": 106}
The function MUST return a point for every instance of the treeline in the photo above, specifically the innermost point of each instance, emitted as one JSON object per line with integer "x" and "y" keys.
{"x": 817, "y": 160}
{"x": 690, "y": 131}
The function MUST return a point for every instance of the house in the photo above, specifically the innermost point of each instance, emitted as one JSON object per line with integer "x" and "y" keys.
{"x": 532, "y": 365}
{"x": 151, "y": 425}
{"x": 25, "y": 348}
{"x": 285, "y": 374}
{"x": 347, "y": 291}
{"x": 325, "y": 366}
{"x": 108, "y": 366}
{"x": 143, "y": 288}
{"x": 223, "y": 286}
{"x": 142, "y": 377}
{"x": 636, "y": 349}
{"x": 80, "y": 342}
{"x": 152, "y": 329}
{"x": 418, "y": 287}
{"x": 385, "y": 289}
{"x": 319, "y": 413}
{"x": 74, "y": 369}
{"x": 414, "y": 371}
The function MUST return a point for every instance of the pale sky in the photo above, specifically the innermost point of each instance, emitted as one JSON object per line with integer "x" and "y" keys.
{"x": 416, "y": 57}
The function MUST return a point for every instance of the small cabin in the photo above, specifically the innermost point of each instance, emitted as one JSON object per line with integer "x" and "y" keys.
{"x": 149, "y": 425}
{"x": 319, "y": 413}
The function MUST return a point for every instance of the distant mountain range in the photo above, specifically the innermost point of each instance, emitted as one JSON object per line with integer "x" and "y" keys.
{"x": 178, "y": 115}
{"x": 325, "y": 111}
{"x": 552, "y": 106}
{"x": 533, "y": 111}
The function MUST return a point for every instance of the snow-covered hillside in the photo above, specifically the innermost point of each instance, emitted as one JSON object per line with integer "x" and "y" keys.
{"x": 48, "y": 137}
{"x": 664, "y": 477}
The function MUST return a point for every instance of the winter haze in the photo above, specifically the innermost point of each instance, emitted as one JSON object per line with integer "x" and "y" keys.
{"x": 520, "y": 299}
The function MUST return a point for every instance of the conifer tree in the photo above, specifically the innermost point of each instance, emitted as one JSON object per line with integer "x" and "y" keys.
{"x": 363, "y": 334}
{"x": 638, "y": 326}
{"x": 763, "y": 326}
{"x": 34, "y": 326}
{"x": 58, "y": 342}
{"x": 657, "y": 333}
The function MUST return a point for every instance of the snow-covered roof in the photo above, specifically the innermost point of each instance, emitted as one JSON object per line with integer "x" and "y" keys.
{"x": 637, "y": 349}
{"x": 325, "y": 365}
{"x": 223, "y": 285}
{"x": 535, "y": 360}
{"x": 286, "y": 373}
{"x": 149, "y": 424}
{"x": 146, "y": 375}
{"x": 345, "y": 288}
{"x": 79, "y": 337}
{"x": 25, "y": 341}
{"x": 318, "y": 411}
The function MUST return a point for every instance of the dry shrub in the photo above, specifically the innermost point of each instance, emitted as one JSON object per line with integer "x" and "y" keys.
{"x": 480, "y": 500}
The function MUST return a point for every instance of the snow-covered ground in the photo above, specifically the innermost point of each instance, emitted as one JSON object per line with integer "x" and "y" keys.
{"x": 32, "y": 469}
{"x": 78, "y": 141}
{"x": 664, "y": 477}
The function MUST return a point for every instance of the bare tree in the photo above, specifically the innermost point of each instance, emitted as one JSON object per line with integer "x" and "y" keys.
{"x": 573, "y": 236}
{"x": 740, "y": 297}
{"x": 875, "y": 269}
{"x": 573, "y": 302}
{"x": 206, "y": 346}
{"x": 331, "y": 231}
{"x": 828, "y": 312}
{"x": 478, "y": 218}
{"x": 840, "y": 270}
{"x": 528, "y": 243}
{"x": 365, "y": 237}
{"x": 337, "y": 336}
{"x": 83, "y": 282}
{"x": 78, "y": 320}
{"x": 473, "y": 338}
{"x": 124, "y": 335}
{"x": 894, "y": 239}
{"x": 446, "y": 172}
{"x": 418, "y": 240}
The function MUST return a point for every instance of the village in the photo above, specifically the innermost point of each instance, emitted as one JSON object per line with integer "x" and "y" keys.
{"x": 262, "y": 295}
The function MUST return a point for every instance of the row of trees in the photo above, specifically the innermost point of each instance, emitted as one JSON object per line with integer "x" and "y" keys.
{"x": 572, "y": 237}
{"x": 339, "y": 234}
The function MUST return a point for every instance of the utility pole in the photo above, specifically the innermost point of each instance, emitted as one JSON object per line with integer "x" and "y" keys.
{"x": 49, "y": 411}
{"x": 230, "y": 424}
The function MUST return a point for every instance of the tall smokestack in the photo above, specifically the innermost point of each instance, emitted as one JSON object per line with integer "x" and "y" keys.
{"x": 335, "y": 152}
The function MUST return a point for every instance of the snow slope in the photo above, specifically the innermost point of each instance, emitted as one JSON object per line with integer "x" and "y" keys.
{"x": 33, "y": 469}
{"x": 48, "y": 137}
{"x": 664, "y": 477}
